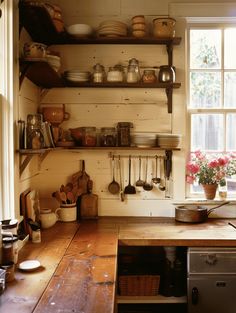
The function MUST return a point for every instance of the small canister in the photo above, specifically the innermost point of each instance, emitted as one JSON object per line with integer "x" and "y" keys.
{"x": 9, "y": 249}
{"x": 149, "y": 76}
{"x": 108, "y": 137}
{"x": 123, "y": 132}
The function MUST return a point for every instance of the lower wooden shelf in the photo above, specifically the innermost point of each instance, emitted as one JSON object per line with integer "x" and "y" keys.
{"x": 150, "y": 299}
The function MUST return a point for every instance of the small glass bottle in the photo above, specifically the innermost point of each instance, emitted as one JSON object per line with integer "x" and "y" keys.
{"x": 223, "y": 189}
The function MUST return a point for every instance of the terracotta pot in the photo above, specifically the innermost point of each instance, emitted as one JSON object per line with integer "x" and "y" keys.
{"x": 210, "y": 191}
{"x": 55, "y": 115}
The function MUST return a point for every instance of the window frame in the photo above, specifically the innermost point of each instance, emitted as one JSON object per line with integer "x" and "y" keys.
{"x": 190, "y": 111}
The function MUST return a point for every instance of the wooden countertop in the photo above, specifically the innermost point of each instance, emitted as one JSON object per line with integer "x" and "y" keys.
{"x": 79, "y": 262}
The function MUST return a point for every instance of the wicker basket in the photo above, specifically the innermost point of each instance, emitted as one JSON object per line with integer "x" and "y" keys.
{"x": 139, "y": 285}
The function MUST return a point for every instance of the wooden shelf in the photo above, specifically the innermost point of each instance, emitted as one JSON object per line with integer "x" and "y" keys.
{"x": 150, "y": 299}
{"x": 38, "y": 23}
{"x": 41, "y": 74}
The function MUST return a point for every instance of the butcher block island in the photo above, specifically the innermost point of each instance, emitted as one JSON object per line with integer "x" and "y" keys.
{"x": 78, "y": 270}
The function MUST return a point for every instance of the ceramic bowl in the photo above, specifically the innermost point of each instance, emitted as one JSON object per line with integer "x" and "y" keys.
{"x": 79, "y": 30}
{"x": 34, "y": 50}
{"x": 55, "y": 115}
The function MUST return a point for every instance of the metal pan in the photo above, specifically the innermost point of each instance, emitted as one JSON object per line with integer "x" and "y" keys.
{"x": 193, "y": 214}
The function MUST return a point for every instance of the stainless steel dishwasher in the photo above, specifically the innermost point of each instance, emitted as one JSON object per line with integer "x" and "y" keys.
{"x": 211, "y": 280}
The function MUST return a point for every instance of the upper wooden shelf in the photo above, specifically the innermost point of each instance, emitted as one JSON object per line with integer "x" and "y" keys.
{"x": 38, "y": 23}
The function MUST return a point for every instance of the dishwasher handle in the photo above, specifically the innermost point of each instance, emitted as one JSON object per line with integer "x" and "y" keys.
{"x": 194, "y": 295}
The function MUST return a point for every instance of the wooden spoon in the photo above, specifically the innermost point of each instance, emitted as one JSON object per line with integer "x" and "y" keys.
{"x": 70, "y": 197}
{"x": 63, "y": 196}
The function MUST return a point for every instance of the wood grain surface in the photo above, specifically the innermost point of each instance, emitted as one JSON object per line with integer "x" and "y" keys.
{"x": 78, "y": 272}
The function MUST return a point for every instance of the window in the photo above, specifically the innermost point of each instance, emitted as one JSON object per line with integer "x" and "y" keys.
{"x": 212, "y": 92}
{"x": 7, "y": 99}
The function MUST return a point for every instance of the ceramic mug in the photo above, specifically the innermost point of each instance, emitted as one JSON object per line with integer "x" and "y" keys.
{"x": 67, "y": 212}
{"x": 48, "y": 218}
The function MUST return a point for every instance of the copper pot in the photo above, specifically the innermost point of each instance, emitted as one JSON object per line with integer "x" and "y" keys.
{"x": 193, "y": 214}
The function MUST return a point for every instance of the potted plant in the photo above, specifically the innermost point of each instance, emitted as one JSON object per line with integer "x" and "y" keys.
{"x": 210, "y": 170}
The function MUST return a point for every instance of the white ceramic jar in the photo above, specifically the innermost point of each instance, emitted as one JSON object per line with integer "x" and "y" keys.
{"x": 47, "y": 218}
{"x": 67, "y": 212}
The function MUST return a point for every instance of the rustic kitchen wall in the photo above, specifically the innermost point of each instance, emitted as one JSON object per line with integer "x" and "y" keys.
{"x": 145, "y": 108}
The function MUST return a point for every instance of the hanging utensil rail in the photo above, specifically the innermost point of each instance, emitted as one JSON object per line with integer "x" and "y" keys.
{"x": 111, "y": 155}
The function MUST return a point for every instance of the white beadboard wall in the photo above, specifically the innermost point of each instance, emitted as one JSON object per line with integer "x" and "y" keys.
{"x": 146, "y": 108}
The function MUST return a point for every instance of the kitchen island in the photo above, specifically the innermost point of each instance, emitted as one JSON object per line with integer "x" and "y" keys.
{"x": 79, "y": 261}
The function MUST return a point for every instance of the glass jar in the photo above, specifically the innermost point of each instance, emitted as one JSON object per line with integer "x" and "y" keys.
{"x": 123, "y": 132}
{"x": 115, "y": 74}
{"x": 108, "y": 137}
{"x": 35, "y": 138}
{"x": 89, "y": 137}
{"x": 132, "y": 76}
{"x": 98, "y": 73}
{"x": 134, "y": 62}
{"x": 149, "y": 76}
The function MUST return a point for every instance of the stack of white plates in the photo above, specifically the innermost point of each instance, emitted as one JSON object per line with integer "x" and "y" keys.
{"x": 77, "y": 76}
{"x": 54, "y": 61}
{"x": 168, "y": 140}
{"x": 112, "y": 28}
{"x": 143, "y": 139}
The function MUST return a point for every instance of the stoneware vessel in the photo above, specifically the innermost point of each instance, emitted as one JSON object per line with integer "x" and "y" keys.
{"x": 67, "y": 212}
{"x": 48, "y": 218}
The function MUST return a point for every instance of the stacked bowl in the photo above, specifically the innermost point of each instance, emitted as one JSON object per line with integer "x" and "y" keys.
{"x": 168, "y": 140}
{"x": 143, "y": 139}
{"x": 139, "y": 27}
{"x": 54, "y": 61}
{"x": 79, "y": 30}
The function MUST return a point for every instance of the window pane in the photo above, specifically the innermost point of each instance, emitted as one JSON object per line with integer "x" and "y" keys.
{"x": 205, "y": 90}
{"x": 230, "y": 90}
{"x": 207, "y": 132}
{"x": 230, "y": 132}
{"x": 205, "y": 45}
{"x": 230, "y": 48}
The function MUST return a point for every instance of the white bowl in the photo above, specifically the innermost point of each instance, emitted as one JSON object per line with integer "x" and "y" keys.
{"x": 79, "y": 30}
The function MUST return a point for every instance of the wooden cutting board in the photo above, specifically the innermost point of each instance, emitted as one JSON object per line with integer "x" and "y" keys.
{"x": 89, "y": 206}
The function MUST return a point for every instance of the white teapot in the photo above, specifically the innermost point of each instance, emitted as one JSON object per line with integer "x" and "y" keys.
{"x": 47, "y": 218}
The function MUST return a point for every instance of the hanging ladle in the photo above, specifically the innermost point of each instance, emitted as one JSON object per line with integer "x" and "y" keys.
{"x": 139, "y": 182}
{"x": 161, "y": 186}
{"x": 114, "y": 186}
{"x": 156, "y": 180}
{"x": 147, "y": 186}
{"x": 129, "y": 189}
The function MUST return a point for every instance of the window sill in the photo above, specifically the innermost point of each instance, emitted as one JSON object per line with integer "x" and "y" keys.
{"x": 197, "y": 201}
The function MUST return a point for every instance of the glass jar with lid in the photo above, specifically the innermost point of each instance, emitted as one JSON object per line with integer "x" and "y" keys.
{"x": 132, "y": 76}
{"x": 123, "y": 132}
{"x": 98, "y": 73}
{"x": 108, "y": 137}
{"x": 149, "y": 76}
{"x": 89, "y": 138}
{"x": 135, "y": 63}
